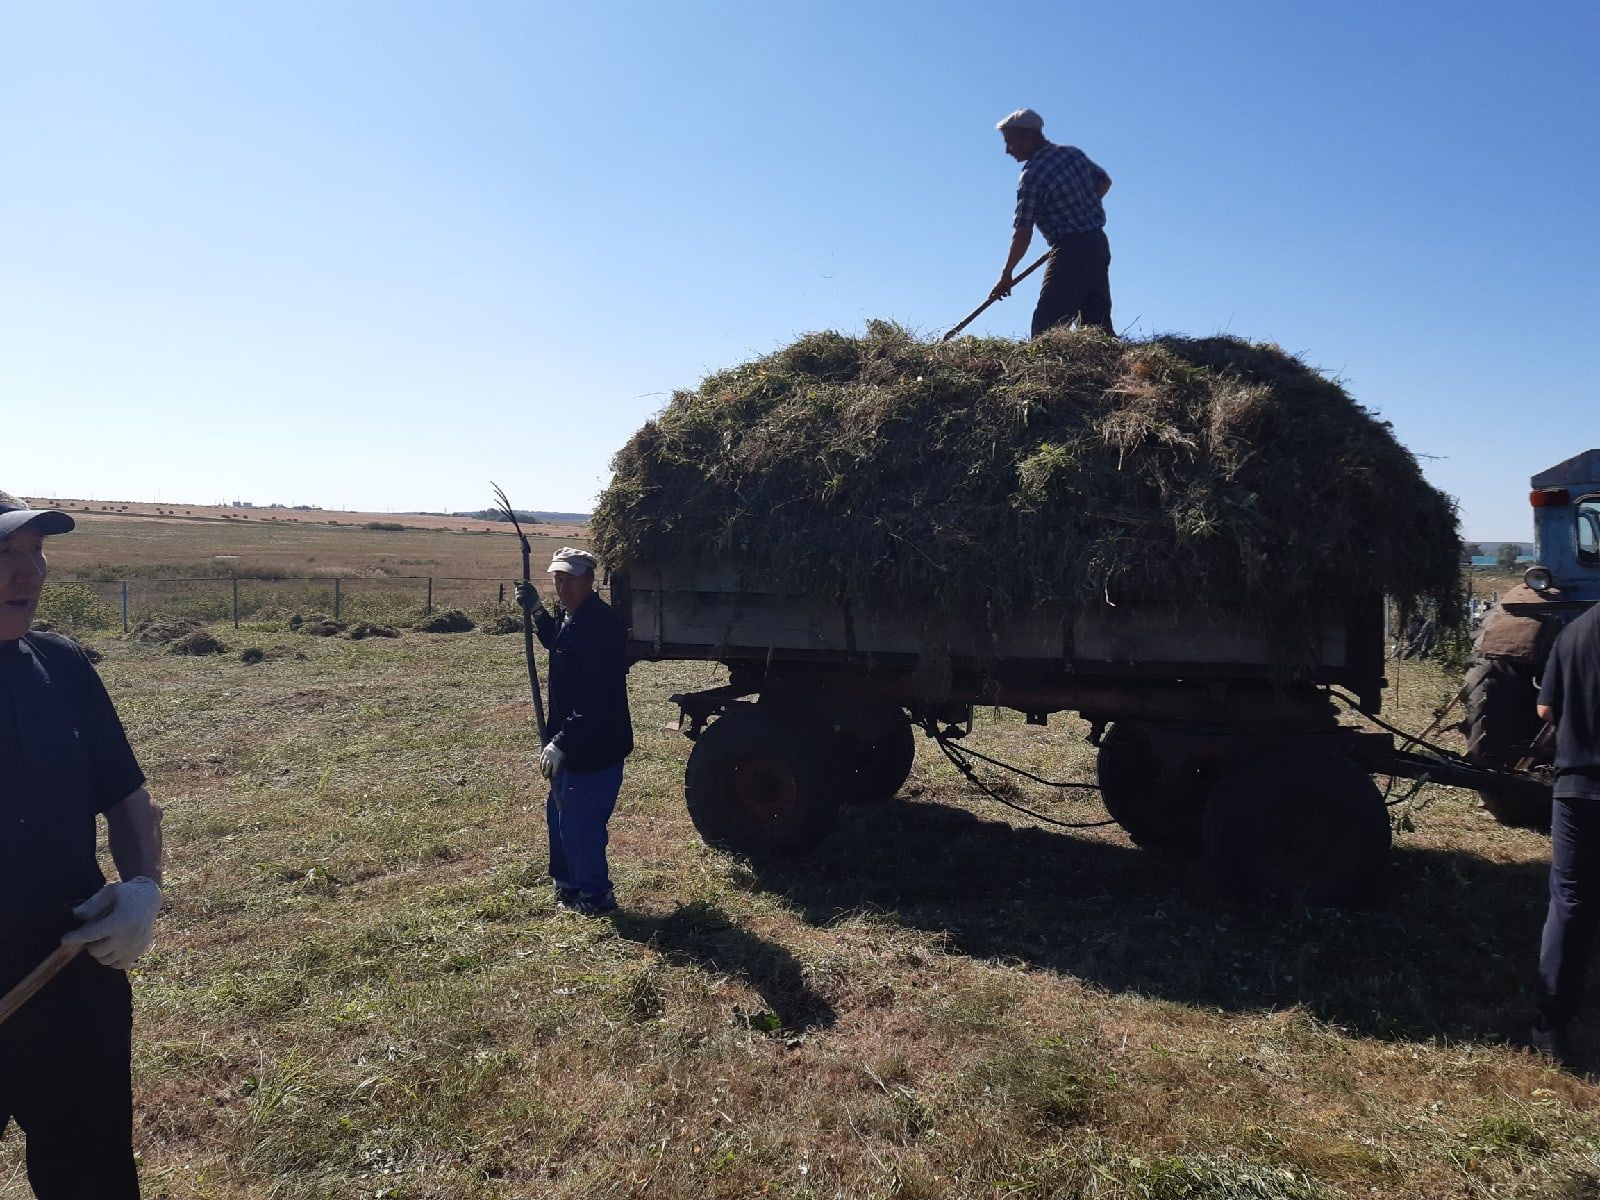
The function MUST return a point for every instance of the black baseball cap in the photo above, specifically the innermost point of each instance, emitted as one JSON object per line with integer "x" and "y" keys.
{"x": 15, "y": 515}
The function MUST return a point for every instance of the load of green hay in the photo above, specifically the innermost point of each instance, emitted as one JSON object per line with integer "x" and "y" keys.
{"x": 981, "y": 477}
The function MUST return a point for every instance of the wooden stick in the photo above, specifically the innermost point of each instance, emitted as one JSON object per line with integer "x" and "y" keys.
{"x": 527, "y": 617}
{"x": 37, "y": 978}
{"x": 977, "y": 312}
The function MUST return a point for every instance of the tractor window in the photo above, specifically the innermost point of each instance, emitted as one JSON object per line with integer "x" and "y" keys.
{"x": 1589, "y": 531}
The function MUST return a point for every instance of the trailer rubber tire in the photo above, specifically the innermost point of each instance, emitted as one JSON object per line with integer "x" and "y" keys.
{"x": 878, "y": 769}
{"x": 1499, "y": 726}
{"x": 762, "y": 784}
{"x": 1154, "y": 808}
{"x": 1297, "y": 827}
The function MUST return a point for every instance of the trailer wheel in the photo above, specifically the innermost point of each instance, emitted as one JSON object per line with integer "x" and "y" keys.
{"x": 1155, "y": 806}
{"x": 878, "y": 769}
{"x": 762, "y": 784}
{"x": 1500, "y": 725}
{"x": 1304, "y": 828}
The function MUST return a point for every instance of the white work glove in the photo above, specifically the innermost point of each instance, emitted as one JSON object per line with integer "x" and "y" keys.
{"x": 120, "y": 920}
{"x": 550, "y": 760}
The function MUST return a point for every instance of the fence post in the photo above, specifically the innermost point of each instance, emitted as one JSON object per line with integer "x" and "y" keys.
{"x": 236, "y": 602}
{"x": 336, "y": 597}
{"x": 502, "y": 593}
{"x": 124, "y": 606}
{"x": 427, "y": 609}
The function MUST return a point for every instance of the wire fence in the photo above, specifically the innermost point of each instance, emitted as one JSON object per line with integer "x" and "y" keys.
{"x": 127, "y": 603}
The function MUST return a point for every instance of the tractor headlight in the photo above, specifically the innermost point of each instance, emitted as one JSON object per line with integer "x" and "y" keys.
{"x": 1538, "y": 578}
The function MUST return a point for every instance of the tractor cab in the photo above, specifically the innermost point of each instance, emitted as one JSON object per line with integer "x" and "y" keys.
{"x": 1501, "y": 726}
{"x": 1566, "y": 530}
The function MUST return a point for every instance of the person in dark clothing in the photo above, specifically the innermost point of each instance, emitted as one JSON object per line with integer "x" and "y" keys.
{"x": 1060, "y": 190}
{"x": 1569, "y": 698}
{"x": 65, "y": 1074}
{"x": 590, "y": 730}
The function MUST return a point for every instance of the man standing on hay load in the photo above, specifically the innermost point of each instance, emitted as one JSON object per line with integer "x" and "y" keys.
{"x": 1060, "y": 191}
{"x": 65, "y": 1053}
{"x": 590, "y": 730}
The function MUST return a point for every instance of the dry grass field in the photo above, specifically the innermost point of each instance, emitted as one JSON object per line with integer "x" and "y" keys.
{"x": 186, "y": 565}
{"x": 361, "y": 987}
{"x": 115, "y": 540}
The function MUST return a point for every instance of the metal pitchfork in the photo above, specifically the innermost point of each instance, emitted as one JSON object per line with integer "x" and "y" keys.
{"x": 977, "y": 312}
{"x": 527, "y": 616}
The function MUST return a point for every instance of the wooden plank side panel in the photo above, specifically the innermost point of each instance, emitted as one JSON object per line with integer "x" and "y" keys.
{"x": 706, "y": 614}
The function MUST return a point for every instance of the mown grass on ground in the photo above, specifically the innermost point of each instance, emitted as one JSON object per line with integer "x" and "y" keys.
{"x": 361, "y": 987}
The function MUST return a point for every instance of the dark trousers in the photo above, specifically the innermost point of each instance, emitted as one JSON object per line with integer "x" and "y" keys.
{"x": 1077, "y": 284}
{"x": 1574, "y": 911}
{"x": 65, "y": 1077}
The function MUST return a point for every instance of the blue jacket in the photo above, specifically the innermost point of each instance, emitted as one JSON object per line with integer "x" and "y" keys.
{"x": 589, "y": 718}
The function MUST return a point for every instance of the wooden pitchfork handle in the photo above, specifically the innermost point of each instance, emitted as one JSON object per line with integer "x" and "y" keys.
{"x": 37, "y": 978}
{"x": 978, "y": 312}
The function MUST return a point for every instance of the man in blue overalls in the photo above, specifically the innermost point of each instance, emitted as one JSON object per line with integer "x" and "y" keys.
{"x": 590, "y": 730}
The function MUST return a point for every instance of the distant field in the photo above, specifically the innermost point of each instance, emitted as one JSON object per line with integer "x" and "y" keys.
{"x": 286, "y": 566}
{"x": 361, "y": 987}
{"x": 323, "y": 543}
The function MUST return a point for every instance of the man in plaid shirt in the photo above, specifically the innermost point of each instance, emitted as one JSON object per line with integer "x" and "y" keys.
{"x": 1060, "y": 191}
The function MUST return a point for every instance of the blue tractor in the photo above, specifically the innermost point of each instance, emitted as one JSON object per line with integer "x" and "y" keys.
{"x": 1501, "y": 727}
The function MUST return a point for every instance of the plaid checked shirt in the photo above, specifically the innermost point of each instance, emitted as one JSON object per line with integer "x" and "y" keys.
{"x": 1059, "y": 192}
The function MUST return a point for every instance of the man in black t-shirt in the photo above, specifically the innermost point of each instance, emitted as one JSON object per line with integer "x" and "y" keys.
{"x": 1569, "y": 698}
{"x": 65, "y": 1055}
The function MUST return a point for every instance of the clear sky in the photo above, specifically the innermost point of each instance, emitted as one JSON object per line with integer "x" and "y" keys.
{"x": 373, "y": 255}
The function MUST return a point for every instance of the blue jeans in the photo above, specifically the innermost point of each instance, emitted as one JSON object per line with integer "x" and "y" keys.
{"x": 579, "y": 805}
{"x": 1574, "y": 912}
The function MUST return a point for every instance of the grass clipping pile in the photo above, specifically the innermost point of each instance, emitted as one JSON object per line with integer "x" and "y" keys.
{"x": 979, "y": 478}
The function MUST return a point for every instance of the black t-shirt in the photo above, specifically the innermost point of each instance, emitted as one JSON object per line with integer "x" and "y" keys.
{"x": 64, "y": 759}
{"x": 1571, "y": 687}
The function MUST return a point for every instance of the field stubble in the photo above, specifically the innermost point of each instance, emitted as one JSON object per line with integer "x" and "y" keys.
{"x": 361, "y": 986}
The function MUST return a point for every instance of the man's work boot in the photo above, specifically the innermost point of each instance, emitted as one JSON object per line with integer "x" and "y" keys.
{"x": 1553, "y": 1042}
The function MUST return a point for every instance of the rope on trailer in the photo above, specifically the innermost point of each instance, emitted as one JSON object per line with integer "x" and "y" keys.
{"x": 960, "y": 757}
{"x": 1410, "y": 740}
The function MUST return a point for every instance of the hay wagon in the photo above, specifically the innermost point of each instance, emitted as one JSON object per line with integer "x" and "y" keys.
{"x": 1205, "y": 734}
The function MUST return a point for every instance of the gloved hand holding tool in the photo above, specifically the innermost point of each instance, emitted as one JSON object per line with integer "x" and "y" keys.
{"x": 550, "y": 760}
{"x": 998, "y": 294}
{"x": 119, "y": 922}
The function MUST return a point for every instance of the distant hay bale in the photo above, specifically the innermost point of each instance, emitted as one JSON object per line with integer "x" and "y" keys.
{"x": 503, "y": 623}
{"x": 197, "y": 642}
{"x": 162, "y": 633}
{"x": 252, "y": 654}
{"x": 364, "y": 629}
{"x": 450, "y": 620}
{"x": 971, "y": 480}
{"x": 321, "y": 627}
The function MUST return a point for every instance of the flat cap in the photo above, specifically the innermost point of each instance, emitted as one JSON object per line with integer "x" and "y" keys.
{"x": 15, "y": 514}
{"x": 573, "y": 561}
{"x": 1023, "y": 118}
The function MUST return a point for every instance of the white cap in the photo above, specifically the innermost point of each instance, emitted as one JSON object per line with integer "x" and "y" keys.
{"x": 1023, "y": 118}
{"x": 573, "y": 561}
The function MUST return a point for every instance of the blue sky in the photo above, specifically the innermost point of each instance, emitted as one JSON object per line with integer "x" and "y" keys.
{"x": 374, "y": 255}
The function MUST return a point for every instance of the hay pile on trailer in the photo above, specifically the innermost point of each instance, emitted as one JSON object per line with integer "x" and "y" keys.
{"x": 981, "y": 477}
